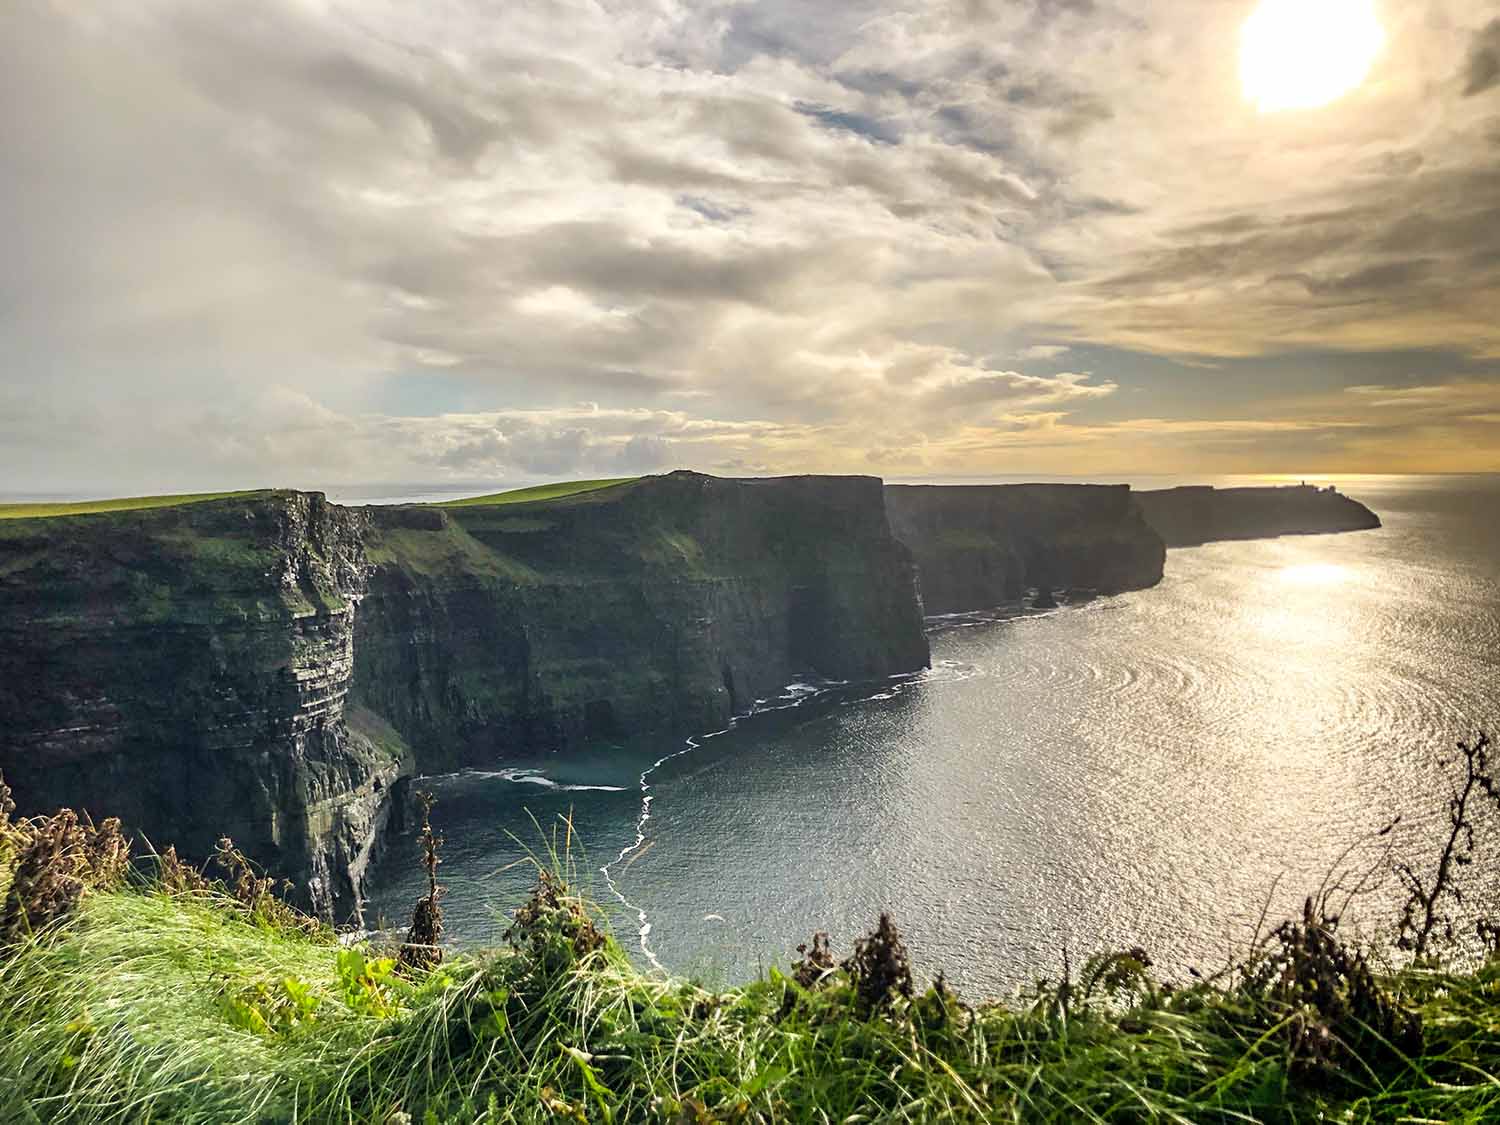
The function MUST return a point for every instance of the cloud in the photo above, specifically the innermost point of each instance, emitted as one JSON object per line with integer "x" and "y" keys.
{"x": 859, "y": 124}
{"x": 331, "y": 240}
{"x": 1457, "y": 399}
{"x": 976, "y": 388}
{"x": 1482, "y": 68}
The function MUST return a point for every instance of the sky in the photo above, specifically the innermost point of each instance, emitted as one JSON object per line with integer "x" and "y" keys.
{"x": 311, "y": 242}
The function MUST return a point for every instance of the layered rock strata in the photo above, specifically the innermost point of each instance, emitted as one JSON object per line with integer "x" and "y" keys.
{"x": 187, "y": 669}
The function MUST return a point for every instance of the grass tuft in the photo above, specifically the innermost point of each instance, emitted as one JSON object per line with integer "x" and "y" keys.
{"x": 181, "y": 1000}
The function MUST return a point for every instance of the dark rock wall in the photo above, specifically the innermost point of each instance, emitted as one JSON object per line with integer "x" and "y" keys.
{"x": 1189, "y": 516}
{"x": 978, "y": 546}
{"x": 186, "y": 670}
{"x": 664, "y": 605}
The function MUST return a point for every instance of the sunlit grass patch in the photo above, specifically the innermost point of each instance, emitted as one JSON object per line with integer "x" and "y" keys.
{"x": 121, "y": 504}
{"x": 539, "y": 492}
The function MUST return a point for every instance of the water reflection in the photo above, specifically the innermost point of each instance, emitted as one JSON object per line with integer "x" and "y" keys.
{"x": 1315, "y": 574}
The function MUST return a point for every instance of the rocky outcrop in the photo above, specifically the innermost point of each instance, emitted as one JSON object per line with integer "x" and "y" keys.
{"x": 1189, "y": 516}
{"x": 668, "y": 604}
{"x": 186, "y": 669}
{"x": 978, "y": 546}
{"x": 273, "y": 667}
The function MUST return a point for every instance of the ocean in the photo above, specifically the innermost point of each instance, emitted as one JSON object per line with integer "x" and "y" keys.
{"x": 1168, "y": 768}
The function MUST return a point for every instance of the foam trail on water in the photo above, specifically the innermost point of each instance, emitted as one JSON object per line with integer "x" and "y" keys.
{"x": 793, "y": 695}
{"x": 644, "y": 931}
{"x": 536, "y": 777}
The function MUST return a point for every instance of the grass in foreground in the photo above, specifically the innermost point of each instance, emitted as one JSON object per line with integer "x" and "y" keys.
{"x": 122, "y": 504}
{"x": 538, "y": 492}
{"x": 151, "y": 1006}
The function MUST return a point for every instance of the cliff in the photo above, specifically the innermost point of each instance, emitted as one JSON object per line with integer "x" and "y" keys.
{"x": 259, "y": 665}
{"x": 977, "y": 546}
{"x": 186, "y": 669}
{"x": 666, "y": 604}
{"x": 1186, "y": 517}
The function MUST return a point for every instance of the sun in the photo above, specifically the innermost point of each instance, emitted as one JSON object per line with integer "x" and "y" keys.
{"x": 1300, "y": 54}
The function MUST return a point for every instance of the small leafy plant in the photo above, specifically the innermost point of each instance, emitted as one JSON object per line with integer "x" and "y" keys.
{"x": 368, "y": 984}
{"x": 270, "y": 1008}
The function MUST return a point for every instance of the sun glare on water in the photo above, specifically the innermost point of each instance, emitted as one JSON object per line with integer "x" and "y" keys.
{"x": 1314, "y": 574}
{"x": 1300, "y": 54}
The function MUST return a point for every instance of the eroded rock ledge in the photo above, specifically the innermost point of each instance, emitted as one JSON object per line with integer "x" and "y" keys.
{"x": 187, "y": 669}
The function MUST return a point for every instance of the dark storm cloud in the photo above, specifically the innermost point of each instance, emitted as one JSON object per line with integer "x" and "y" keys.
{"x": 1482, "y": 68}
{"x": 1399, "y": 276}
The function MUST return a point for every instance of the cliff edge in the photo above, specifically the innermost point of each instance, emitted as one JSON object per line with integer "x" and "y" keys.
{"x": 666, "y": 604}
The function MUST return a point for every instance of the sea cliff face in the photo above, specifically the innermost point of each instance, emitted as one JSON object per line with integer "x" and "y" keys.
{"x": 274, "y": 666}
{"x": 668, "y": 604}
{"x": 186, "y": 669}
{"x": 977, "y": 546}
{"x": 1186, "y": 517}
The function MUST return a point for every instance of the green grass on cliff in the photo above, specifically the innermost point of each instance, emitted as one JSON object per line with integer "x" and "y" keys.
{"x": 123, "y": 504}
{"x": 150, "y": 1007}
{"x": 538, "y": 492}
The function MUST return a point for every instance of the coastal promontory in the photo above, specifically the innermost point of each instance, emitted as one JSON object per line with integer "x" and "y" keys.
{"x": 1196, "y": 514}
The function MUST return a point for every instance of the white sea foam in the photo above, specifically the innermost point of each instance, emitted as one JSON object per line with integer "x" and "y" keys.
{"x": 793, "y": 695}
{"x": 538, "y": 778}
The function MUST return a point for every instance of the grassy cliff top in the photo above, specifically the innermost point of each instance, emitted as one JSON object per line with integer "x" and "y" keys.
{"x": 120, "y": 504}
{"x": 538, "y": 492}
{"x": 44, "y": 509}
